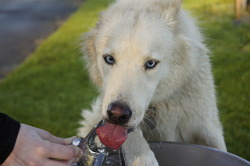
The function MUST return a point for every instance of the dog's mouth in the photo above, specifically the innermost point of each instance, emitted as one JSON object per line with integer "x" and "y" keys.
{"x": 113, "y": 135}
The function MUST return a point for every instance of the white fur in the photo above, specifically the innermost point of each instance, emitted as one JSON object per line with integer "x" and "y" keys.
{"x": 180, "y": 86}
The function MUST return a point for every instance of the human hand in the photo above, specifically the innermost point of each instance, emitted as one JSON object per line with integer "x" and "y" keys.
{"x": 37, "y": 147}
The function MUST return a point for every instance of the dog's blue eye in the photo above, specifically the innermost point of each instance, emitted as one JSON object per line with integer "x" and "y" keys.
{"x": 109, "y": 59}
{"x": 151, "y": 64}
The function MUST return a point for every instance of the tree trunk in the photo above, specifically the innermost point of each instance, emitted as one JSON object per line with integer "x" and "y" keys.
{"x": 240, "y": 8}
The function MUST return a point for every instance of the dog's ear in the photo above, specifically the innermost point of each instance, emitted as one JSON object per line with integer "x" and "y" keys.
{"x": 170, "y": 11}
{"x": 90, "y": 57}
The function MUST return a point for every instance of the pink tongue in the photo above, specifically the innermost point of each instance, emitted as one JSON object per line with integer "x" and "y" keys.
{"x": 111, "y": 135}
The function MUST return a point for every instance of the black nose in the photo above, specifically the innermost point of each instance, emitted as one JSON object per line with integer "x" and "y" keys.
{"x": 119, "y": 113}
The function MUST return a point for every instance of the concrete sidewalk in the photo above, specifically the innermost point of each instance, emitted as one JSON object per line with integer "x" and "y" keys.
{"x": 24, "y": 23}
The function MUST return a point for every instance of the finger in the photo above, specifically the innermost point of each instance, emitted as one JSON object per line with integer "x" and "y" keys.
{"x": 49, "y": 137}
{"x": 63, "y": 152}
{"x": 58, "y": 140}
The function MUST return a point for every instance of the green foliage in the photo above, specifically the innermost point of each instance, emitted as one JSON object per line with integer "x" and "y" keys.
{"x": 51, "y": 87}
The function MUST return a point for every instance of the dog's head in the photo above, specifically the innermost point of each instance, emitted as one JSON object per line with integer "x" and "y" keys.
{"x": 137, "y": 57}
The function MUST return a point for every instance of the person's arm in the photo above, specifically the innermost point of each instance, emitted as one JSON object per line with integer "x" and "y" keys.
{"x": 9, "y": 129}
{"x": 34, "y": 146}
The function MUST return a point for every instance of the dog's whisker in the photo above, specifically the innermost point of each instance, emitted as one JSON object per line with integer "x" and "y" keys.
{"x": 149, "y": 130}
{"x": 148, "y": 118}
{"x": 156, "y": 127}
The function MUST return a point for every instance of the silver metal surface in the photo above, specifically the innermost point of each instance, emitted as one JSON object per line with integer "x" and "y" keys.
{"x": 97, "y": 156}
{"x": 77, "y": 141}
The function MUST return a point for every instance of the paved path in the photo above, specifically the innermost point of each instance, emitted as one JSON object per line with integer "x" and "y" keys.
{"x": 24, "y": 23}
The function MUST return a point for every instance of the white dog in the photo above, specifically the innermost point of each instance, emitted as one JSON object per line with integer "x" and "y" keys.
{"x": 150, "y": 53}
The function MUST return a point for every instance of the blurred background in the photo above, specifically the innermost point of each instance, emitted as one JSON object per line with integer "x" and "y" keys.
{"x": 43, "y": 82}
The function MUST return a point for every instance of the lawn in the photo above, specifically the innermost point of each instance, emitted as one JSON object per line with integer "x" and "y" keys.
{"x": 51, "y": 87}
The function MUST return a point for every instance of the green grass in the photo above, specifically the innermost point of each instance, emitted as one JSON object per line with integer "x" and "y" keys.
{"x": 51, "y": 87}
{"x": 230, "y": 46}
